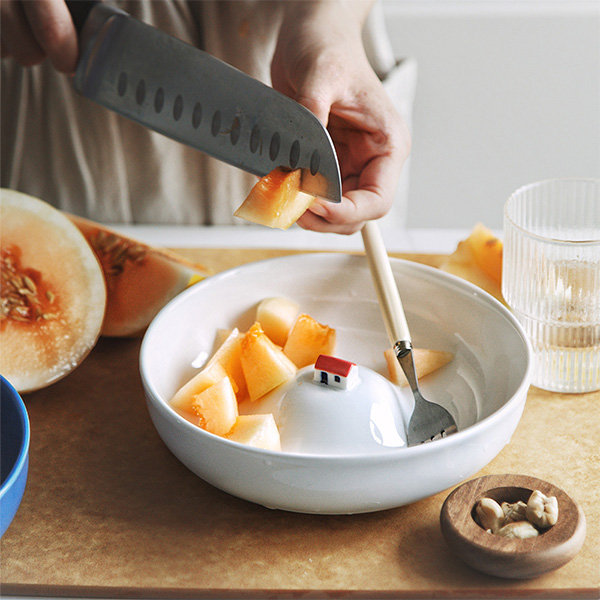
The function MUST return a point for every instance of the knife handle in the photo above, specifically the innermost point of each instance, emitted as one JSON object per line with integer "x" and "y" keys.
{"x": 80, "y": 9}
{"x": 385, "y": 284}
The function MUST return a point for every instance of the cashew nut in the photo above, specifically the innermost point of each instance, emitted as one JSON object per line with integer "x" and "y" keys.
{"x": 489, "y": 514}
{"x": 518, "y": 529}
{"x": 542, "y": 510}
{"x": 514, "y": 512}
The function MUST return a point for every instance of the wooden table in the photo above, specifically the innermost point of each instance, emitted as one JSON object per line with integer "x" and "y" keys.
{"x": 108, "y": 511}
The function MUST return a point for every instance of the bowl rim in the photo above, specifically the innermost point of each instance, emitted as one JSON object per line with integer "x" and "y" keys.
{"x": 393, "y": 453}
{"x": 24, "y": 448}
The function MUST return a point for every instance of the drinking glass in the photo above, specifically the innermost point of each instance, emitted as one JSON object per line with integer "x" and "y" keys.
{"x": 551, "y": 279}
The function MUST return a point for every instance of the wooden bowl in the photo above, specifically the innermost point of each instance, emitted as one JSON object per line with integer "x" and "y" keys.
{"x": 508, "y": 557}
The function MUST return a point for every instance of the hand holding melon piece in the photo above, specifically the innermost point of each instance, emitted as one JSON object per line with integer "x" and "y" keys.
{"x": 426, "y": 361}
{"x": 259, "y": 431}
{"x": 478, "y": 259}
{"x": 53, "y": 293}
{"x": 307, "y": 340}
{"x": 216, "y": 407}
{"x": 264, "y": 364}
{"x": 276, "y": 316}
{"x": 140, "y": 279}
{"x": 276, "y": 200}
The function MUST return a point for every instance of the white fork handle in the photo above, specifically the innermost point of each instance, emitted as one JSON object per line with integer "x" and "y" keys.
{"x": 385, "y": 284}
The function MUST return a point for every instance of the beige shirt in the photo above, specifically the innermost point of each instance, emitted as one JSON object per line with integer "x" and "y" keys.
{"x": 87, "y": 160}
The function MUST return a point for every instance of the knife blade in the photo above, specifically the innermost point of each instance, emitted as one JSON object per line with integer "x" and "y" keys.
{"x": 186, "y": 94}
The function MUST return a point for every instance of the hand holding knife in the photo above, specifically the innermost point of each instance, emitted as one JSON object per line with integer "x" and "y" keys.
{"x": 182, "y": 92}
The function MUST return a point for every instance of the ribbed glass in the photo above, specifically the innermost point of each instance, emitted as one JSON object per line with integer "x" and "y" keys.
{"x": 551, "y": 278}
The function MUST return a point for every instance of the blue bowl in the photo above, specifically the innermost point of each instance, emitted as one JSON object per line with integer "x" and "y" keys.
{"x": 14, "y": 452}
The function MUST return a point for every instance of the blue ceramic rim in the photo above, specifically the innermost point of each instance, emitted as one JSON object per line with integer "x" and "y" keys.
{"x": 24, "y": 450}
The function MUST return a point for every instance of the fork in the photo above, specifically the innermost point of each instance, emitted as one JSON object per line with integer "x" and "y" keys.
{"x": 429, "y": 421}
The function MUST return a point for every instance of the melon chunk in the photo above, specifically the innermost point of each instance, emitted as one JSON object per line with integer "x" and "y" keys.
{"x": 478, "y": 259}
{"x": 216, "y": 407}
{"x": 184, "y": 397}
{"x": 426, "y": 361}
{"x": 276, "y": 316}
{"x": 228, "y": 354}
{"x": 259, "y": 431}
{"x": 264, "y": 364}
{"x": 53, "y": 294}
{"x": 276, "y": 200}
{"x": 487, "y": 250}
{"x": 140, "y": 279}
{"x": 308, "y": 339}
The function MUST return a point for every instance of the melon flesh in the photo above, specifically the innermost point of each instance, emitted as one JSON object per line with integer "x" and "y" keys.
{"x": 216, "y": 407}
{"x": 259, "y": 431}
{"x": 426, "y": 362}
{"x": 140, "y": 279}
{"x": 487, "y": 250}
{"x": 276, "y": 316}
{"x": 265, "y": 365}
{"x": 184, "y": 397}
{"x": 478, "y": 259}
{"x": 276, "y": 200}
{"x": 307, "y": 339}
{"x": 52, "y": 276}
{"x": 228, "y": 354}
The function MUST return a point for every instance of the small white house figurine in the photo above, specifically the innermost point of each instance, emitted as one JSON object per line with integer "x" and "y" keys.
{"x": 335, "y": 372}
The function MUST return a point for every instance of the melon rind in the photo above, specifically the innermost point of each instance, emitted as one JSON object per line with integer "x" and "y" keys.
{"x": 141, "y": 281}
{"x": 41, "y": 352}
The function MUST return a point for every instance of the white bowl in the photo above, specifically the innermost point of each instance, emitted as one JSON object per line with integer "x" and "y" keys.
{"x": 484, "y": 387}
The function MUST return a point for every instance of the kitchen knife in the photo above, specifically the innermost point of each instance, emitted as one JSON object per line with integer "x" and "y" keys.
{"x": 186, "y": 94}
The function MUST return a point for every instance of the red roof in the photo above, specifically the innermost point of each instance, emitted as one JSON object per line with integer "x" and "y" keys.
{"x": 334, "y": 365}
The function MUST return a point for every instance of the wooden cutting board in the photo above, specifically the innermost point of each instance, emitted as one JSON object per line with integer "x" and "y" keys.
{"x": 108, "y": 511}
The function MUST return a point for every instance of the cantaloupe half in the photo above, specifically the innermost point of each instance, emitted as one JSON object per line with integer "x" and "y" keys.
{"x": 426, "y": 362}
{"x": 307, "y": 339}
{"x": 53, "y": 294}
{"x": 478, "y": 259}
{"x": 276, "y": 200}
{"x": 264, "y": 364}
{"x": 140, "y": 279}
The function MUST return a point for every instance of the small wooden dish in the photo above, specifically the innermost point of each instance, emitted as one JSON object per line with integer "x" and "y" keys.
{"x": 508, "y": 557}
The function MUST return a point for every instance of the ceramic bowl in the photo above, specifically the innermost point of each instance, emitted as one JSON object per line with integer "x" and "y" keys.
{"x": 484, "y": 387}
{"x": 14, "y": 452}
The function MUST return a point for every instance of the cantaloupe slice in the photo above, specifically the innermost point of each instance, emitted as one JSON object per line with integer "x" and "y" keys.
{"x": 184, "y": 397}
{"x": 140, "y": 279}
{"x": 264, "y": 364}
{"x": 487, "y": 250}
{"x": 259, "y": 431}
{"x": 228, "y": 354}
{"x": 276, "y": 200}
{"x": 478, "y": 259}
{"x": 216, "y": 407}
{"x": 53, "y": 294}
{"x": 307, "y": 339}
{"x": 426, "y": 362}
{"x": 276, "y": 316}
